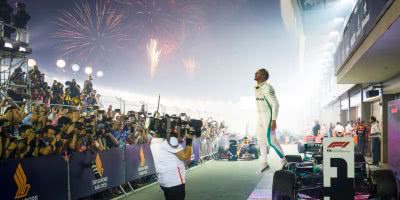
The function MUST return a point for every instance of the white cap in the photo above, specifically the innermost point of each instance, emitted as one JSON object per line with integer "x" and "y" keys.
{"x": 173, "y": 141}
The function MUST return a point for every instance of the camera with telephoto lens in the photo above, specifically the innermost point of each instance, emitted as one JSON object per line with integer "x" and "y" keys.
{"x": 158, "y": 125}
{"x": 179, "y": 125}
{"x": 69, "y": 83}
{"x": 88, "y": 129}
{"x": 103, "y": 126}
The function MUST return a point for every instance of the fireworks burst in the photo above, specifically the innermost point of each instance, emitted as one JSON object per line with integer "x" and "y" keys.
{"x": 167, "y": 20}
{"x": 90, "y": 31}
{"x": 153, "y": 55}
{"x": 190, "y": 65}
{"x": 158, "y": 18}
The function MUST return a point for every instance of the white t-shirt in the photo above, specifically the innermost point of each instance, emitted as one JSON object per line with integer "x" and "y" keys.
{"x": 349, "y": 129}
{"x": 170, "y": 170}
{"x": 375, "y": 130}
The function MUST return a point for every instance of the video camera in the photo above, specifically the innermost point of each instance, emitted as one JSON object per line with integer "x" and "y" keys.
{"x": 177, "y": 125}
{"x": 69, "y": 83}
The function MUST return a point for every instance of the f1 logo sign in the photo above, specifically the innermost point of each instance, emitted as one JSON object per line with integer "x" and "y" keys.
{"x": 338, "y": 144}
{"x": 338, "y": 159}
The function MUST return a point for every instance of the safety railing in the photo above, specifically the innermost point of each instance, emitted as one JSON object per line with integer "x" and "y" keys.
{"x": 22, "y": 35}
{"x": 53, "y": 177}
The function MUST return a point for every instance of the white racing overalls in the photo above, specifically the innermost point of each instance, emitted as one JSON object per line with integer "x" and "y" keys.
{"x": 267, "y": 110}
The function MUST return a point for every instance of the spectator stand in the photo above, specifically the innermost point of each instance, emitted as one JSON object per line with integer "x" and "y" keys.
{"x": 14, "y": 62}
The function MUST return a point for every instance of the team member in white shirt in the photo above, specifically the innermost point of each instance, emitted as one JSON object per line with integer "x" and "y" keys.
{"x": 376, "y": 141}
{"x": 267, "y": 112}
{"x": 349, "y": 129}
{"x": 339, "y": 129}
{"x": 170, "y": 166}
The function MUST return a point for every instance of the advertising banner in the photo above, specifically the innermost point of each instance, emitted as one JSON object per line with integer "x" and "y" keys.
{"x": 338, "y": 159}
{"x": 34, "y": 178}
{"x": 138, "y": 162}
{"x": 110, "y": 167}
{"x": 394, "y": 136}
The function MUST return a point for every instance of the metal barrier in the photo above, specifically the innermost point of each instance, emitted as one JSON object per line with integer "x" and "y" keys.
{"x": 22, "y": 35}
{"x": 208, "y": 148}
{"x": 53, "y": 177}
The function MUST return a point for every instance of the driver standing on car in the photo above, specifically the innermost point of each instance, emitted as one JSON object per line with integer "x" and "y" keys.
{"x": 267, "y": 111}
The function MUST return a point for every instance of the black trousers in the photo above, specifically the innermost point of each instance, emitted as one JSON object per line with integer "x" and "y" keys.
{"x": 174, "y": 193}
{"x": 376, "y": 150}
{"x": 362, "y": 144}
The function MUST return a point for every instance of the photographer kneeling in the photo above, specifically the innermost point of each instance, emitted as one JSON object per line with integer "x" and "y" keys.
{"x": 171, "y": 166}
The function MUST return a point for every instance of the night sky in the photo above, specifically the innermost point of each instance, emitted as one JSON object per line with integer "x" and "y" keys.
{"x": 227, "y": 40}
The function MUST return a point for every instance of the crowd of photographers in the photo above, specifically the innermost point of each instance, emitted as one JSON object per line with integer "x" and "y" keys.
{"x": 62, "y": 120}
{"x": 58, "y": 130}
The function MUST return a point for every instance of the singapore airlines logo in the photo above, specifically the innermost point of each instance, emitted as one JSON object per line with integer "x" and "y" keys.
{"x": 142, "y": 159}
{"x": 20, "y": 180}
{"x": 99, "y": 165}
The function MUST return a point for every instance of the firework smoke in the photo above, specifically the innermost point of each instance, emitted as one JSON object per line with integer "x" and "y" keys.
{"x": 190, "y": 65}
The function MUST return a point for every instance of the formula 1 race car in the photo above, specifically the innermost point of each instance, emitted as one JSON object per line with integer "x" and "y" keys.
{"x": 307, "y": 141}
{"x": 249, "y": 149}
{"x": 229, "y": 153}
{"x": 303, "y": 178}
{"x": 240, "y": 149}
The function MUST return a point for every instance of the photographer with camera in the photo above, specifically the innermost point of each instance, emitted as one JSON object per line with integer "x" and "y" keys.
{"x": 172, "y": 155}
{"x": 88, "y": 86}
{"x": 171, "y": 169}
{"x": 57, "y": 92}
{"x": 104, "y": 139}
{"x": 16, "y": 90}
{"x": 74, "y": 88}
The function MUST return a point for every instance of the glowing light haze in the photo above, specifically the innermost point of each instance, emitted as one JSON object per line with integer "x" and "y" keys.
{"x": 153, "y": 55}
{"x": 200, "y": 55}
{"x": 190, "y": 66}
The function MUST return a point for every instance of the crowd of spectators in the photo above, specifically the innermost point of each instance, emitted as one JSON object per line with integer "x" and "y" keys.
{"x": 62, "y": 130}
{"x": 62, "y": 119}
{"x": 359, "y": 130}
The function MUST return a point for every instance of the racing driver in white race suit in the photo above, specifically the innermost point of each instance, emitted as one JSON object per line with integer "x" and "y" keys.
{"x": 267, "y": 111}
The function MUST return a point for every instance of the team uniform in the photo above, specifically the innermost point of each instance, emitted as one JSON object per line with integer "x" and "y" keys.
{"x": 171, "y": 172}
{"x": 267, "y": 110}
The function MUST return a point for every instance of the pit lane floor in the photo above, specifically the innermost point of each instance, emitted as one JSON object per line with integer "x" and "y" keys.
{"x": 219, "y": 180}
{"x": 263, "y": 190}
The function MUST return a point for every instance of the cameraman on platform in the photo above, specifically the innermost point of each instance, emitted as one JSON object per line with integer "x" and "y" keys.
{"x": 171, "y": 166}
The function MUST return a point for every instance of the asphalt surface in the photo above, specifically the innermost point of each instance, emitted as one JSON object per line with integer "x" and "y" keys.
{"x": 212, "y": 180}
{"x": 217, "y": 180}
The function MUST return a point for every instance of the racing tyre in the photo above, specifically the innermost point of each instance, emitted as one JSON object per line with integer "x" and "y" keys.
{"x": 283, "y": 186}
{"x": 386, "y": 185}
{"x": 294, "y": 158}
{"x": 300, "y": 147}
{"x": 256, "y": 155}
